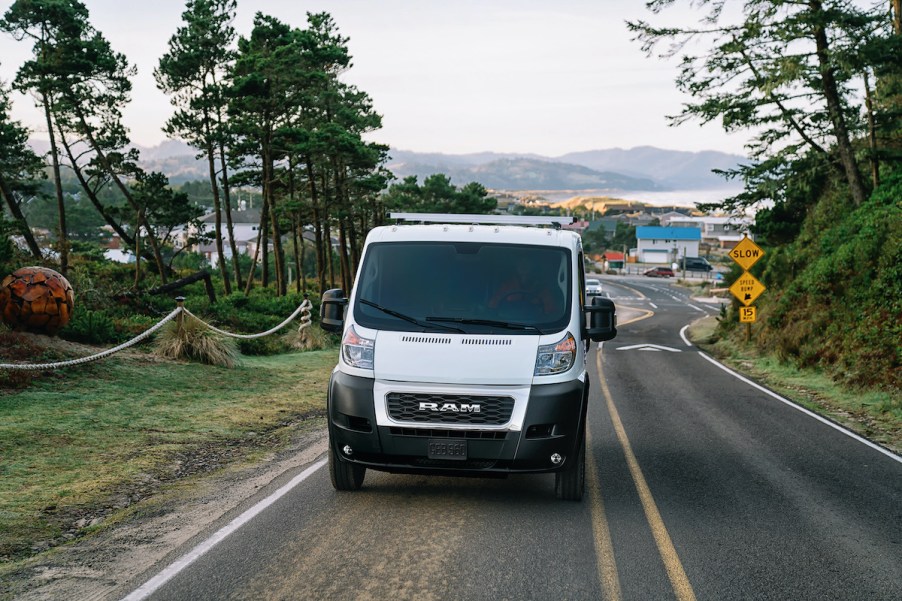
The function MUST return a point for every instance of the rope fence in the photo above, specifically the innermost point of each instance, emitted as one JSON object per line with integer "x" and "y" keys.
{"x": 304, "y": 305}
{"x": 304, "y": 309}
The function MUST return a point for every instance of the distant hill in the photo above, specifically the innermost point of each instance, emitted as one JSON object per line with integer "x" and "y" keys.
{"x": 644, "y": 168}
{"x": 526, "y": 174}
{"x": 641, "y": 168}
{"x": 674, "y": 168}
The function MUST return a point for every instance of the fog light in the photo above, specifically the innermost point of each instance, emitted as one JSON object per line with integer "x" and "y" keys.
{"x": 347, "y": 450}
{"x": 556, "y": 459}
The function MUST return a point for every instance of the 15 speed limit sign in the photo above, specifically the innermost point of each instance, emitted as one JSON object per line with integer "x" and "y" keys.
{"x": 748, "y": 314}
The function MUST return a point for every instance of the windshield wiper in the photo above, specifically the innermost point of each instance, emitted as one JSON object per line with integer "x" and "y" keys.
{"x": 408, "y": 318}
{"x": 486, "y": 322}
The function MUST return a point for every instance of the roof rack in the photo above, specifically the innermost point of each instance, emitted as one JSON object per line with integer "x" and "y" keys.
{"x": 555, "y": 221}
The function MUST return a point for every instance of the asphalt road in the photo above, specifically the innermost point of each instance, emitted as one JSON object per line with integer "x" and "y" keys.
{"x": 701, "y": 486}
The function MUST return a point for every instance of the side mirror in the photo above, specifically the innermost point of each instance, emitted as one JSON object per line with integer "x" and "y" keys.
{"x": 332, "y": 310}
{"x": 602, "y": 319}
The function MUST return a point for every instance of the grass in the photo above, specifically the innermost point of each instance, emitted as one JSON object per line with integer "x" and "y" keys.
{"x": 188, "y": 338}
{"x": 875, "y": 414}
{"x": 74, "y": 445}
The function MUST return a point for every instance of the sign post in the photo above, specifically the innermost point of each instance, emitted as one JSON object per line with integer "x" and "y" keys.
{"x": 747, "y": 288}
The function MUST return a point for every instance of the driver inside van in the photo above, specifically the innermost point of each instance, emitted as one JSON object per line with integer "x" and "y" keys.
{"x": 526, "y": 287}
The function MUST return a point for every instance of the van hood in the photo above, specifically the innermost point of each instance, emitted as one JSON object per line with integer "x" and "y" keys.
{"x": 455, "y": 358}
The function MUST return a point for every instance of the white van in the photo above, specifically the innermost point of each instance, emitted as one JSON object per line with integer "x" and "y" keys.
{"x": 463, "y": 351}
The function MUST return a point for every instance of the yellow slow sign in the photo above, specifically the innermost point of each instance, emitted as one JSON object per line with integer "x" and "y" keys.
{"x": 746, "y": 253}
{"x": 747, "y": 288}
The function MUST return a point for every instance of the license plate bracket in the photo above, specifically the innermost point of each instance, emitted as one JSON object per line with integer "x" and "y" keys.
{"x": 455, "y": 450}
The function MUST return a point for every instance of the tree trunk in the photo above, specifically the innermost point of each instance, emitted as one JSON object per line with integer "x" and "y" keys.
{"x": 264, "y": 240}
{"x": 151, "y": 236}
{"x": 344, "y": 210}
{"x": 92, "y": 196}
{"x": 872, "y": 131}
{"x": 227, "y": 195}
{"x": 217, "y": 215}
{"x": 63, "y": 236}
{"x": 354, "y": 242}
{"x": 278, "y": 256}
{"x": 835, "y": 109}
{"x": 343, "y": 264}
{"x": 897, "y": 16}
{"x": 302, "y": 272}
{"x": 250, "y": 276}
{"x": 19, "y": 217}
{"x": 317, "y": 226}
{"x": 327, "y": 231}
{"x": 295, "y": 239}
{"x": 138, "y": 250}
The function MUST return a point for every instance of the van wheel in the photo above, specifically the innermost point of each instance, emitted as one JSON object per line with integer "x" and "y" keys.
{"x": 570, "y": 483}
{"x": 345, "y": 476}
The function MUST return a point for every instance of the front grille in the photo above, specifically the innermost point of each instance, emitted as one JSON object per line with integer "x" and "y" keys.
{"x": 433, "y": 433}
{"x": 450, "y": 408}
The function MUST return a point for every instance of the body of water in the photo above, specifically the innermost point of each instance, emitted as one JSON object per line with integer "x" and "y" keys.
{"x": 682, "y": 198}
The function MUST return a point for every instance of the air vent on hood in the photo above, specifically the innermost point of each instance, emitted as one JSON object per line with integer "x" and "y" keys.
{"x": 488, "y": 341}
{"x": 426, "y": 339}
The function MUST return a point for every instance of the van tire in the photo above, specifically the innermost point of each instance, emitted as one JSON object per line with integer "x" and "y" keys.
{"x": 345, "y": 476}
{"x": 570, "y": 484}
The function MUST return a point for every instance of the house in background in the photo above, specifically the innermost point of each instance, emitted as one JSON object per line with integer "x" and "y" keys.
{"x": 717, "y": 232}
{"x": 657, "y": 244}
{"x": 245, "y": 224}
{"x": 115, "y": 251}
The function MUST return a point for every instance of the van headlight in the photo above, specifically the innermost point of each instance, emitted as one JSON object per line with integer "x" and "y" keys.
{"x": 356, "y": 350}
{"x": 556, "y": 358}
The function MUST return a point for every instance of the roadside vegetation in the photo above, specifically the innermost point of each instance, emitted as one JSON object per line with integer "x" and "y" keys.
{"x": 824, "y": 180}
{"x": 80, "y": 445}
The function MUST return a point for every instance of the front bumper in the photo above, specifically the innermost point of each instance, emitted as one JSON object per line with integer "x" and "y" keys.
{"x": 554, "y": 420}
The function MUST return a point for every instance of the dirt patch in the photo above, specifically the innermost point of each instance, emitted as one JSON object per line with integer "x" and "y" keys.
{"x": 114, "y": 546}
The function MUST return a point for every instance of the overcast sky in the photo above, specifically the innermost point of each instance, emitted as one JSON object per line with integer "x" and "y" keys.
{"x": 532, "y": 76}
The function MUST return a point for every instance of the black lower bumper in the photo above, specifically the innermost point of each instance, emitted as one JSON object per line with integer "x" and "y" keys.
{"x": 554, "y": 422}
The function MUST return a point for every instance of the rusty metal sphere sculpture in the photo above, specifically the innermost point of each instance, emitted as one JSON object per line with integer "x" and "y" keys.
{"x": 36, "y": 299}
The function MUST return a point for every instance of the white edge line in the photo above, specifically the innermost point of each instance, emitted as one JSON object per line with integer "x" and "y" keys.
{"x": 808, "y": 412}
{"x": 170, "y": 571}
{"x": 683, "y": 334}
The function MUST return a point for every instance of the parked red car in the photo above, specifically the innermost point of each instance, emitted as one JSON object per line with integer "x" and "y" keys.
{"x": 660, "y": 272}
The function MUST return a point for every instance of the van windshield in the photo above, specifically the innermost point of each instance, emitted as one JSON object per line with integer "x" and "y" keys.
{"x": 473, "y": 287}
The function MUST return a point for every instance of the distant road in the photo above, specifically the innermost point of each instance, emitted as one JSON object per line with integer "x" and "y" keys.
{"x": 701, "y": 486}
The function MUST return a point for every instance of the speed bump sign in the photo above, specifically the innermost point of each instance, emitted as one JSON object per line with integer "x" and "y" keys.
{"x": 747, "y": 288}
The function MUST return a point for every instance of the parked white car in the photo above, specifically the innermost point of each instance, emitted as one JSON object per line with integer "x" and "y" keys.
{"x": 593, "y": 287}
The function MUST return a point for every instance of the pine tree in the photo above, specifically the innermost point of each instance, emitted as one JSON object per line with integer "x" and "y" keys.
{"x": 193, "y": 72}
{"x": 20, "y": 168}
{"x": 781, "y": 70}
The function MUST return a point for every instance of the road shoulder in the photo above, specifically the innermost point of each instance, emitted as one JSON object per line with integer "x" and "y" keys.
{"x": 119, "y": 558}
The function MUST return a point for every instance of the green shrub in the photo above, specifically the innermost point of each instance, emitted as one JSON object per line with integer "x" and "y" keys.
{"x": 834, "y": 299}
{"x": 92, "y": 327}
{"x": 129, "y": 327}
{"x": 267, "y": 345}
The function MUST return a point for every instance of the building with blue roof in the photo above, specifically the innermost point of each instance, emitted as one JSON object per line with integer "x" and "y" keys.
{"x": 655, "y": 244}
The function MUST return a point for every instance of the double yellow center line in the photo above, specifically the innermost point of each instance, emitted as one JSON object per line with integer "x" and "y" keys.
{"x": 607, "y": 567}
